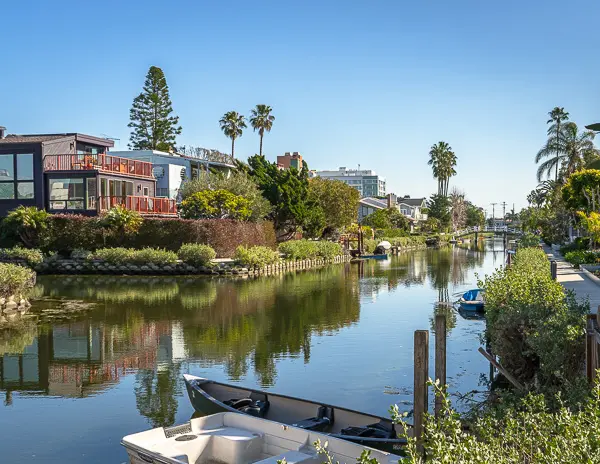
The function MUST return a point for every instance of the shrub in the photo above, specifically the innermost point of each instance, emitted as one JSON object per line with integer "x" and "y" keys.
{"x": 144, "y": 256}
{"x": 580, "y": 243}
{"x": 215, "y": 204}
{"x": 369, "y": 245}
{"x": 308, "y": 249}
{"x": 79, "y": 253}
{"x": 68, "y": 232}
{"x": 581, "y": 257}
{"x": 196, "y": 254}
{"x": 32, "y": 257}
{"x": 15, "y": 280}
{"x": 256, "y": 256}
{"x": 532, "y": 325}
{"x": 529, "y": 240}
{"x": 390, "y": 233}
{"x": 122, "y": 221}
{"x": 118, "y": 255}
{"x": 29, "y": 223}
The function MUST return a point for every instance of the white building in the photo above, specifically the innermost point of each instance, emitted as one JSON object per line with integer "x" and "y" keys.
{"x": 366, "y": 181}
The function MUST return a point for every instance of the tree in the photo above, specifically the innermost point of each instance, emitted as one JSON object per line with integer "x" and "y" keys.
{"x": 29, "y": 224}
{"x": 582, "y": 190}
{"x": 557, "y": 116}
{"x": 388, "y": 218}
{"x": 475, "y": 216}
{"x": 237, "y": 182}
{"x": 458, "y": 209}
{"x": 568, "y": 148}
{"x": 215, "y": 204}
{"x": 232, "y": 124}
{"x": 262, "y": 120}
{"x": 337, "y": 199}
{"x": 154, "y": 127}
{"x": 439, "y": 208}
{"x": 442, "y": 161}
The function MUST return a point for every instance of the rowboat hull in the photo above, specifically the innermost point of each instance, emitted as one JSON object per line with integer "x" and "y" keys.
{"x": 208, "y": 397}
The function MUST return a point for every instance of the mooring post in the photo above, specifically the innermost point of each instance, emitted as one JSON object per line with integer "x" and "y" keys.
{"x": 440, "y": 359}
{"x": 553, "y": 269}
{"x": 420, "y": 388}
{"x": 591, "y": 349}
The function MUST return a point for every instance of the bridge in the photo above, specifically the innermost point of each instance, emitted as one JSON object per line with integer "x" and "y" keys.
{"x": 487, "y": 229}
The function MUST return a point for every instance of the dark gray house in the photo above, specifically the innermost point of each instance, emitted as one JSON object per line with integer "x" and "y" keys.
{"x": 74, "y": 173}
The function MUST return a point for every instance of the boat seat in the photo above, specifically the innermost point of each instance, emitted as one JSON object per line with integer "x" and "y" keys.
{"x": 256, "y": 405}
{"x": 377, "y": 430}
{"x": 290, "y": 457}
{"x": 323, "y": 420}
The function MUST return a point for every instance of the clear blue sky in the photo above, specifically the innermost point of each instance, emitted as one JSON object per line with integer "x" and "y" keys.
{"x": 351, "y": 82}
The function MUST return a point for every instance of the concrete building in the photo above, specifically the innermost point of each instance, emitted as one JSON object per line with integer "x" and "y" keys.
{"x": 172, "y": 169}
{"x": 366, "y": 181}
{"x": 290, "y": 160}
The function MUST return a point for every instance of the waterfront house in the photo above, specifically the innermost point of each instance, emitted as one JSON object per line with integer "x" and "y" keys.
{"x": 413, "y": 208}
{"x": 74, "y": 173}
{"x": 171, "y": 170}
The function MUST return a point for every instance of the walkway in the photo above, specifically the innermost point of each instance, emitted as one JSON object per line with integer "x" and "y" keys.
{"x": 574, "y": 279}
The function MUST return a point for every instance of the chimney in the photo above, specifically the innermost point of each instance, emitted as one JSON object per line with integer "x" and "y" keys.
{"x": 391, "y": 200}
{"x": 2, "y": 132}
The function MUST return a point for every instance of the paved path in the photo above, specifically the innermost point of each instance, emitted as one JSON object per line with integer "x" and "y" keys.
{"x": 574, "y": 279}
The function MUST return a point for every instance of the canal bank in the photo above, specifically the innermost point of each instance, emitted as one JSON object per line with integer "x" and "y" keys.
{"x": 120, "y": 362}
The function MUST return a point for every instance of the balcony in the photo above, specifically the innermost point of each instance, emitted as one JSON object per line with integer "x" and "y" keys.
{"x": 146, "y": 206}
{"x": 99, "y": 162}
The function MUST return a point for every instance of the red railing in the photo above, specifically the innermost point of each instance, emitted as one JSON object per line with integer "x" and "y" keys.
{"x": 99, "y": 162}
{"x": 143, "y": 205}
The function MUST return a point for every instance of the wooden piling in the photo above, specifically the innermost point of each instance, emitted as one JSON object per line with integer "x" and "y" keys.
{"x": 440, "y": 359}
{"x": 591, "y": 349}
{"x": 421, "y": 358}
{"x": 553, "y": 269}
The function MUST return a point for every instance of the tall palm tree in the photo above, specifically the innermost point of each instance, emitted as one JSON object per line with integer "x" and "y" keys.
{"x": 261, "y": 119}
{"x": 557, "y": 116}
{"x": 568, "y": 149}
{"x": 232, "y": 124}
{"x": 442, "y": 161}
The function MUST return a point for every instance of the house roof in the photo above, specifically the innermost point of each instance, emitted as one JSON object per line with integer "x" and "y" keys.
{"x": 411, "y": 201}
{"x": 40, "y": 138}
{"x": 374, "y": 202}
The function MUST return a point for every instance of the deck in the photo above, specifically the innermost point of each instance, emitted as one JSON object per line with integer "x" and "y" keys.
{"x": 146, "y": 206}
{"x": 98, "y": 162}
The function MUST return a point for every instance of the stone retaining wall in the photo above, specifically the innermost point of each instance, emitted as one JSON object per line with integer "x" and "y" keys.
{"x": 83, "y": 266}
{"x": 12, "y": 308}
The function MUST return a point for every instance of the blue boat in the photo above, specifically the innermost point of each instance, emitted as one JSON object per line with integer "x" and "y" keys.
{"x": 472, "y": 300}
{"x": 379, "y": 257}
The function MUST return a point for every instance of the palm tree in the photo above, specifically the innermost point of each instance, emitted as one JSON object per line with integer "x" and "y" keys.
{"x": 261, "y": 119}
{"x": 232, "y": 124}
{"x": 557, "y": 116}
{"x": 568, "y": 148}
{"x": 442, "y": 161}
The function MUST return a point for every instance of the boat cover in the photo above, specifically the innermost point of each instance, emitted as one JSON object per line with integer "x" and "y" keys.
{"x": 473, "y": 295}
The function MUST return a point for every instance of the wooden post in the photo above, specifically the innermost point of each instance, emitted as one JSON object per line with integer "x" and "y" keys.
{"x": 503, "y": 371}
{"x": 421, "y": 356}
{"x": 509, "y": 259}
{"x": 440, "y": 359}
{"x": 553, "y": 269}
{"x": 591, "y": 349}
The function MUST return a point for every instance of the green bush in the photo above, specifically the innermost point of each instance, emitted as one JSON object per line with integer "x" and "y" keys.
{"x": 15, "y": 280}
{"x": 403, "y": 242}
{"x": 581, "y": 257}
{"x": 308, "y": 249}
{"x": 580, "y": 243}
{"x": 29, "y": 223}
{"x": 118, "y": 255}
{"x": 369, "y": 245}
{"x": 529, "y": 240}
{"x": 390, "y": 233}
{"x": 196, "y": 254}
{"x": 257, "y": 256}
{"x": 121, "y": 221}
{"x": 216, "y": 204}
{"x": 154, "y": 256}
{"x": 532, "y": 325}
{"x": 80, "y": 253}
{"x": 32, "y": 257}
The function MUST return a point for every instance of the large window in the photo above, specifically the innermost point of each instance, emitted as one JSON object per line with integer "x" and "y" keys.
{"x": 67, "y": 193}
{"x": 16, "y": 176}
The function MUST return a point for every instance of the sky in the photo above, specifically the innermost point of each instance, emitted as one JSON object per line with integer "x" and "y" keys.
{"x": 350, "y": 82}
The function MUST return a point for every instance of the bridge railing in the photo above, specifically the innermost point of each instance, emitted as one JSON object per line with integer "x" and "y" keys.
{"x": 472, "y": 230}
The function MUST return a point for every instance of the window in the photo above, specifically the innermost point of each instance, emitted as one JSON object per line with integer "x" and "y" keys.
{"x": 67, "y": 193}
{"x": 146, "y": 191}
{"x": 91, "y": 193}
{"x": 14, "y": 169}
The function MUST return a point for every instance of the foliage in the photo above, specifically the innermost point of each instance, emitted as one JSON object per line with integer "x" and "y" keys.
{"x": 152, "y": 123}
{"x": 580, "y": 243}
{"x": 403, "y": 242}
{"x": 337, "y": 199}
{"x": 29, "y": 223}
{"x": 314, "y": 225}
{"x": 256, "y": 256}
{"x": 122, "y": 221}
{"x": 526, "y": 431}
{"x": 120, "y": 255}
{"x": 388, "y": 218}
{"x": 591, "y": 222}
{"x": 238, "y": 182}
{"x": 353, "y": 230}
{"x": 80, "y": 253}
{"x": 196, "y": 254}
{"x": 15, "y": 280}
{"x": 262, "y": 120}
{"x": 458, "y": 209}
{"x": 232, "y": 124}
{"x": 68, "y": 232}
{"x": 439, "y": 208}
{"x": 431, "y": 225}
{"x": 442, "y": 161}
{"x": 474, "y": 216}
{"x": 31, "y": 256}
{"x": 582, "y": 190}
{"x": 309, "y": 249}
{"x": 529, "y": 240}
{"x": 215, "y": 204}
{"x": 581, "y": 257}
{"x": 535, "y": 329}
{"x": 380, "y": 233}
{"x": 287, "y": 191}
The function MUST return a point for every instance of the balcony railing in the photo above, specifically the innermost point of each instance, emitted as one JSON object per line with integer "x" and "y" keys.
{"x": 98, "y": 162}
{"x": 143, "y": 205}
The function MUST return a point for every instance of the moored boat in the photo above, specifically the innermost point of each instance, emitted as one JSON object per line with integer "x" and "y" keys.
{"x": 208, "y": 397}
{"x": 232, "y": 438}
{"x": 472, "y": 300}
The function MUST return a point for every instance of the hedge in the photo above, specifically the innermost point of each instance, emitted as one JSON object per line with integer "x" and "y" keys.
{"x": 310, "y": 249}
{"x": 256, "y": 256}
{"x": 68, "y": 232}
{"x": 144, "y": 256}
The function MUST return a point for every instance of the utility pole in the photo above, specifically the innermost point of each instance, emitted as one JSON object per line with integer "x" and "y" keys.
{"x": 493, "y": 211}
{"x": 504, "y": 210}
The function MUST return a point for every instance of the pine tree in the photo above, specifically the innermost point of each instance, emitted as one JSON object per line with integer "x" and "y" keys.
{"x": 153, "y": 125}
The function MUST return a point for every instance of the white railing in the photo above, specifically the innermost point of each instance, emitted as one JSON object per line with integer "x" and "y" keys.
{"x": 472, "y": 230}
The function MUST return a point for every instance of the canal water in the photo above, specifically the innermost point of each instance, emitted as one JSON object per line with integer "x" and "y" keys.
{"x": 103, "y": 356}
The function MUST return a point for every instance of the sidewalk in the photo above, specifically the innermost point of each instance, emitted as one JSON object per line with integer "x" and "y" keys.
{"x": 574, "y": 279}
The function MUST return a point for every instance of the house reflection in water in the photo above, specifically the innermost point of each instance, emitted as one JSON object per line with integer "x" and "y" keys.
{"x": 84, "y": 358}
